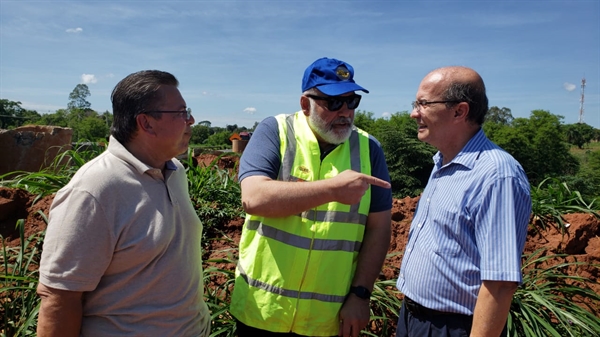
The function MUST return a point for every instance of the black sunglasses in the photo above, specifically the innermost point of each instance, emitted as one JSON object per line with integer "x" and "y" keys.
{"x": 334, "y": 103}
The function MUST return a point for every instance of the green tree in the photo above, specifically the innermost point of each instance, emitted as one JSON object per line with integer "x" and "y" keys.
{"x": 58, "y": 118}
{"x": 364, "y": 120}
{"x": 12, "y": 115}
{"x": 219, "y": 138}
{"x": 92, "y": 128}
{"x": 538, "y": 143}
{"x": 200, "y": 133}
{"x": 499, "y": 116}
{"x": 408, "y": 159}
{"x": 78, "y": 97}
{"x": 579, "y": 134}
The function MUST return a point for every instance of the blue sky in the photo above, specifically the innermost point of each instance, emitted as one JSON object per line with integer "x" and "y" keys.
{"x": 241, "y": 61}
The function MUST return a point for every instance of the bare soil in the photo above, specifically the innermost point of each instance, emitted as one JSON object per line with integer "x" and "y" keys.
{"x": 581, "y": 241}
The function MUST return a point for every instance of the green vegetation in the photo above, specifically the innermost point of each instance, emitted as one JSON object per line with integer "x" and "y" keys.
{"x": 550, "y": 302}
{"x": 553, "y": 198}
{"x": 19, "y": 303}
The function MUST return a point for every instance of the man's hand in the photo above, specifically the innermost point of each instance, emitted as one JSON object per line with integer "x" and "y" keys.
{"x": 350, "y": 186}
{"x": 354, "y": 316}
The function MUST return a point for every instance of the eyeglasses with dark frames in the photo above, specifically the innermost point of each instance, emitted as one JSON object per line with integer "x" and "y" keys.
{"x": 416, "y": 105}
{"x": 187, "y": 113}
{"x": 335, "y": 103}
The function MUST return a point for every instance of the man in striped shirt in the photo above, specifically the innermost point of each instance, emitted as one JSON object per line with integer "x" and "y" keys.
{"x": 462, "y": 263}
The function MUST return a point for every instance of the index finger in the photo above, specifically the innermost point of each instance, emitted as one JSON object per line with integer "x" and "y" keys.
{"x": 377, "y": 182}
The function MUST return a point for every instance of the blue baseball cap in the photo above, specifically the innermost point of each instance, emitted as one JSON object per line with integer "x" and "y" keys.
{"x": 332, "y": 77}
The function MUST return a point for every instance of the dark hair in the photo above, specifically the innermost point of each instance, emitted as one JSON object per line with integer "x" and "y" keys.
{"x": 474, "y": 94}
{"x": 136, "y": 93}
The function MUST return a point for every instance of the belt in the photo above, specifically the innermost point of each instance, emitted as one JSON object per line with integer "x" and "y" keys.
{"x": 418, "y": 310}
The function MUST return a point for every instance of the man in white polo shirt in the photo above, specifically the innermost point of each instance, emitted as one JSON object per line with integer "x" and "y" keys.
{"x": 122, "y": 253}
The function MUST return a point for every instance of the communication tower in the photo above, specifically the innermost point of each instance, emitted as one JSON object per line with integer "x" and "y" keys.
{"x": 581, "y": 100}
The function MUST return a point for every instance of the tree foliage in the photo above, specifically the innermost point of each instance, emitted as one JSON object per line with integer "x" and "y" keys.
{"x": 579, "y": 134}
{"x": 502, "y": 116}
{"x": 200, "y": 133}
{"x": 12, "y": 115}
{"x": 78, "y": 97}
{"x": 408, "y": 159}
{"x": 538, "y": 143}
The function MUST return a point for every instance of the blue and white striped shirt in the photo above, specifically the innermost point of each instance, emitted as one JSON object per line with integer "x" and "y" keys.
{"x": 470, "y": 225}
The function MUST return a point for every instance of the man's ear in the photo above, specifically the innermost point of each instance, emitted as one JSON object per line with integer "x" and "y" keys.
{"x": 145, "y": 123}
{"x": 461, "y": 110}
{"x": 305, "y": 105}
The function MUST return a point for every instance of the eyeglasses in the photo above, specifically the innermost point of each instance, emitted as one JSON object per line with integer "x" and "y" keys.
{"x": 187, "y": 113}
{"x": 334, "y": 103}
{"x": 418, "y": 104}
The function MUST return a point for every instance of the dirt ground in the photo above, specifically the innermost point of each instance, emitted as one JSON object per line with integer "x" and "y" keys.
{"x": 581, "y": 240}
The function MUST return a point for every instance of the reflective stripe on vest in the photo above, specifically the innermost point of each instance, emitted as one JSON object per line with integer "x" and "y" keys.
{"x": 290, "y": 293}
{"x": 302, "y": 242}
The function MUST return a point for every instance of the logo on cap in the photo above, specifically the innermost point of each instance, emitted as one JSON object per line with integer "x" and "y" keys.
{"x": 342, "y": 73}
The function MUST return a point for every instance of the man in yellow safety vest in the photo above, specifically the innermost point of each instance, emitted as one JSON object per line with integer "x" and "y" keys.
{"x": 317, "y": 195}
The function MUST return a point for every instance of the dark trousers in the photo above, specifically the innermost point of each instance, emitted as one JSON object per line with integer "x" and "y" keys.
{"x": 244, "y": 330}
{"x": 425, "y": 325}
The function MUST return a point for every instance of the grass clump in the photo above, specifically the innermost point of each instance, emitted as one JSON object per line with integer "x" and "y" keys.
{"x": 550, "y": 302}
{"x": 551, "y": 199}
{"x": 19, "y": 303}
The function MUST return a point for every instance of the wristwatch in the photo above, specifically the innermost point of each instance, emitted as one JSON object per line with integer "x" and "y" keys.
{"x": 361, "y": 292}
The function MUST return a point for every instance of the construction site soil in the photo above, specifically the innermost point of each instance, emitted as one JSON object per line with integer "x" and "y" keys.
{"x": 580, "y": 241}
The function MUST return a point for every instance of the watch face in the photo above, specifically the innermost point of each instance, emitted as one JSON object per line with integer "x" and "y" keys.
{"x": 361, "y": 292}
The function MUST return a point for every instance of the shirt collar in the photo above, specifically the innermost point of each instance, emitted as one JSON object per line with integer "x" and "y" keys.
{"x": 119, "y": 151}
{"x": 469, "y": 153}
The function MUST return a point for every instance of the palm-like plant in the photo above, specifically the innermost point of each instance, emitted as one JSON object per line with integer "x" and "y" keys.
{"x": 552, "y": 198}
{"x": 19, "y": 303}
{"x": 551, "y": 302}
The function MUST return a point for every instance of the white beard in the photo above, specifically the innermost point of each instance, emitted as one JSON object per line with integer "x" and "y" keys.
{"x": 326, "y": 131}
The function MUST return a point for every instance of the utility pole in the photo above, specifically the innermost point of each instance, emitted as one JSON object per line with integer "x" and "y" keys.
{"x": 581, "y": 100}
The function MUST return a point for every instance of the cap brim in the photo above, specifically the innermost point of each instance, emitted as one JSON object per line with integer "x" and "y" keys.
{"x": 340, "y": 88}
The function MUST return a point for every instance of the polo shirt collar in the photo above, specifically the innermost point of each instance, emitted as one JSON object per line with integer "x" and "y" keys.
{"x": 119, "y": 151}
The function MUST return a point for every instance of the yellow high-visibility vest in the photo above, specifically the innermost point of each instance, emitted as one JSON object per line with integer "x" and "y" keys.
{"x": 294, "y": 272}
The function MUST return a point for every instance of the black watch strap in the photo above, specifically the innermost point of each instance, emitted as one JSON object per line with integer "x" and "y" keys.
{"x": 361, "y": 292}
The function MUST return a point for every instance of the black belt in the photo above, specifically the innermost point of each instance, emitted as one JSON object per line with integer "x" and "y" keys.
{"x": 418, "y": 310}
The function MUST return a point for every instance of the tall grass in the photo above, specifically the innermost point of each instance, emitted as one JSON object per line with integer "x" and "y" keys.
{"x": 215, "y": 192}
{"x": 19, "y": 303}
{"x": 551, "y": 199}
{"x": 551, "y": 302}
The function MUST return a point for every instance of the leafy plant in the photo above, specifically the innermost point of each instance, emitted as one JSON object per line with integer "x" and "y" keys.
{"x": 551, "y": 199}
{"x": 218, "y": 296}
{"x": 215, "y": 192}
{"x": 19, "y": 303}
{"x": 551, "y": 302}
{"x": 385, "y": 305}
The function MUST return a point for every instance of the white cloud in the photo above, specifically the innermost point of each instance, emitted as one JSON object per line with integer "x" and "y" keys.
{"x": 88, "y": 78}
{"x": 569, "y": 86}
{"x": 250, "y": 110}
{"x": 75, "y": 30}
{"x": 386, "y": 115}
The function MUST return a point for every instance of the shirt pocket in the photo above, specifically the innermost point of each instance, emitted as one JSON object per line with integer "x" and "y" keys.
{"x": 446, "y": 233}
